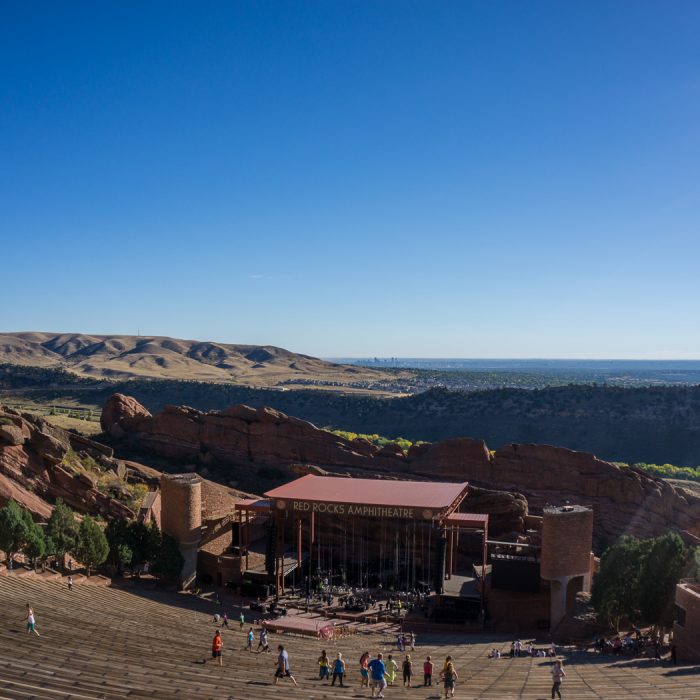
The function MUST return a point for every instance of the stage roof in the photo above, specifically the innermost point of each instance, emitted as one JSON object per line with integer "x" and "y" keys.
{"x": 252, "y": 504}
{"x": 436, "y": 495}
{"x": 468, "y": 520}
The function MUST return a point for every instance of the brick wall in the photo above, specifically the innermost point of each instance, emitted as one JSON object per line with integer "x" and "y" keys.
{"x": 567, "y": 539}
{"x": 686, "y": 636}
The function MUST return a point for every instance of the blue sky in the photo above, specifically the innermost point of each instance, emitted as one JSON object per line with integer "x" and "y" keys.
{"x": 346, "y": 178}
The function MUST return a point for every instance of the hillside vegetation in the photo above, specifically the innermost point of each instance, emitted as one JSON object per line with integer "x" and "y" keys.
{"x": 126, "y": 357}
{"x": 656, "y": 425}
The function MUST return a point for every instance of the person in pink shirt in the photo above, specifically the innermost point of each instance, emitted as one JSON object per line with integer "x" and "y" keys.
{"x": 428, "y": 672}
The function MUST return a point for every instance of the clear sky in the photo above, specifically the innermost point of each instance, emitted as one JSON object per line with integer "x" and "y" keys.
{"x": 347, "y": 178}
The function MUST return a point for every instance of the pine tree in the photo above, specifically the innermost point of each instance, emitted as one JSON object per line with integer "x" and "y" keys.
{"x": 169, "y": 561}
{"x": 61, "y": 531}
{"x": 14, "y": 530}
{"x": 93, "y": 548}
{"x": 615, "y": 592}
{"x": 35, "y": 547}
{"x": 665, "y": 562}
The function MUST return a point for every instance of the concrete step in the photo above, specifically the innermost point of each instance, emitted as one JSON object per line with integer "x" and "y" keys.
{"x": 126, "y": 642}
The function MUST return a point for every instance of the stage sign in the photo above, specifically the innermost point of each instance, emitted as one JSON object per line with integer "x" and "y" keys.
{"x": 356, "y": 509}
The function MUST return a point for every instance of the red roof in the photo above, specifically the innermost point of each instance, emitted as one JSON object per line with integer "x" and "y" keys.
{"x": 471, "y": 517}
{"x": 252, "y": 504}
{"x": 479, "y": 520}
{"x": 380, "y": 492}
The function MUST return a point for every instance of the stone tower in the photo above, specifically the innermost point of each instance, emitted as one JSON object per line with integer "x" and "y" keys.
{"x": 567, "y": 539}
{"x": 181, "y": 517}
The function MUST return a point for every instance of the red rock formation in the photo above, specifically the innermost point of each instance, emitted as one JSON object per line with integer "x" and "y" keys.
{"x": 34, "y": 472}
{"x": 624, "y": 500}
{"x": 31, "y": 470}
{"x": 457, "y": 458}
{"x": 240, "y": 435}
{"x": 123, "y": 411}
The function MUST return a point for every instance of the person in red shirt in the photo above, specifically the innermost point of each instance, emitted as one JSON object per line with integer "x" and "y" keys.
{"x": 217, "y": 647}
{"x": 428, "y": 672}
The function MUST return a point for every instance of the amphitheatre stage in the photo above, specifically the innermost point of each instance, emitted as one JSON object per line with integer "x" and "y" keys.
{"x": 127, "y": 642}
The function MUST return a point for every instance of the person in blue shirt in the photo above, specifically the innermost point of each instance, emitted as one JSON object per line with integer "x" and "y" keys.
{"x": 377, "y": 671}
{"x": 338, "y": 670}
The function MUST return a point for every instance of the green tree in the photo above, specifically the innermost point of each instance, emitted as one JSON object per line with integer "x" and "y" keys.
{"x": 615, "y": 592}
{"x": 122, "y": 555}
{"x": 169, "y": 562}
{"x": 117, "y": 534}
{"x": 92, "y": 546}
{"x": 145, "y": 542}
{"x": 694, "y": 563}
{"x": 14, "y": 530}
{"x": 35, "y": 547}
{"x": 665, "y": 562}
{"x": 61, "y": 530}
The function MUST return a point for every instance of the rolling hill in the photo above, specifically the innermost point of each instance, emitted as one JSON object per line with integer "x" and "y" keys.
{"x": 124, "y": 357}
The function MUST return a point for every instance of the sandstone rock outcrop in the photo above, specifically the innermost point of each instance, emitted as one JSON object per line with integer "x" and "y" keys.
{"x": 122, "y": 411}
{"x": 507, "y": 510}
{"x": 40, "y": 462}
{"x": 32, "y": 471}
{"x": 624, "y": 500}
{"x": 11, "y": 434}
{"x": 240, "y": 435}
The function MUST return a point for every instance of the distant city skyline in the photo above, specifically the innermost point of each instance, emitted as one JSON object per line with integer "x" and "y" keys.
{"x": 356, "y": 179}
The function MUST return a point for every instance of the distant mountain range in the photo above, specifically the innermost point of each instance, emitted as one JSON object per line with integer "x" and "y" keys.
{"x": 159, "y": 357}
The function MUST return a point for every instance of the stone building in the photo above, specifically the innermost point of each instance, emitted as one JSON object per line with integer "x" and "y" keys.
{"x": 531, "y": 579}
{"x": 686, "y": 629}
{"x": 566, "y": 560}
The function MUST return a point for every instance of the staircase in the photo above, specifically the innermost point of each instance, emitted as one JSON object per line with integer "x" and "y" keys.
{"x": 99, "y": 641}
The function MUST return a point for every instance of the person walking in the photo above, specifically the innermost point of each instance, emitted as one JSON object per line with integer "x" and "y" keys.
{"x": 391, "y": 668}
{"x": 31, "y": 621}
{"x": 241, "y": 619}
{"x": 251, "y": 637}
{"x": 217, "y": 648}
{"x": 407, "y": 671}
{"x": 449, "y": 676}
{"x": 225, "y": 622}
{"x": 338, "y": 670}
{"x": 262, "y": 641}
{"x": 324, "y": 666}
{"x": 283, "y": 670}
{"x": 558, "y": 676}
{"x": 70, "y": 583}
{"x": 378, "y": 671}
{"x": 428, "y": 672}
{"x": 413, "y": 641}
{"x": 364, "y": 670}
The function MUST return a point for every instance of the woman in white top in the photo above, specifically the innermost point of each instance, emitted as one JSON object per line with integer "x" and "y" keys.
{"x": 557, "y": 676}
{"x": 31, "y": 621}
